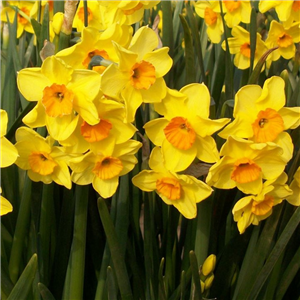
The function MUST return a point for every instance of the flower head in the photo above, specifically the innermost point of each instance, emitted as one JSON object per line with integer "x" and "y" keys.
{"x": 182, "y": 191}
{"x": 236, "y": 12}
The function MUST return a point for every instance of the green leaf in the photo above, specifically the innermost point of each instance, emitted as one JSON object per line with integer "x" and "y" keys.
{"x": 24, "y": 284}
{"x": 45, "y": 293}
{"x": 112, "y": 289}
{"x": 196, "y": 277}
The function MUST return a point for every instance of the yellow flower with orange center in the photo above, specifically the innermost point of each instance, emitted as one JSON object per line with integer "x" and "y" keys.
{"x": 43, "y": 161}
{"x": 62, "y": 94}
{"x": 254, "y": 208}
{"x": 182, "y": 191}
{"x": 211, "y": 13}
{"x": 244, "y": 164}
{"x": 260, "y": 115}
{"x": 103, "y": 166}
{"x": 236, "y": 12}
{"x": 184, "y": 132}
{"x": 138, "y": 78}
{"x": 239, "y": 45}
{"x": 284, "y": 38}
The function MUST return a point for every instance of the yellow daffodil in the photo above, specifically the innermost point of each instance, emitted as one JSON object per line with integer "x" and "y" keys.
{"x": 94, "y": 42}
{"x": 260, "y": 115}
{"x": 111, "y": 116}
{"x": 139, "y": 75}
{"x": 6, "y": 207}
{"x": 63, "y": 94}
{"x": 94, "y": 16}
{"x": 244, "y": 164}
{"x": 104, "y": 167}
{"x": 43, "y": 161}
{"x": 237, "y": 12}
{"x": 211, "y": 13}
{"x": 287, "y": 11}
{"x": 23, "y": 16}
{"x": 185, "y": 131}
{"x": 239, "y": 45}
{"x": 182, "y": 191}
{"x": 255, "y": 208}
{"x": 9, "y": 152}
{"x": 294, "y": 199}
{"x": 284, "y": 39}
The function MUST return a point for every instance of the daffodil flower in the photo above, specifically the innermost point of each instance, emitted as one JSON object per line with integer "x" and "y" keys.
{"x": 260, "y": 115}
{"x": 23, "y": 17}
{"x": 63, "y": 94}
{"x": 237, "y": 12}
{"x": 6, "y": 206}
{"x": 244, "y": 164}
{"x": 9, "y": 152}
{"x": 181, "y": 191}
{"x": 239, "y": 45}
{"x": 139, "y": 75}
{"x": 294, "y": 199}
{"x": 211, "y": 13}
{"x": 104, "y": 167}
{"x": 284, "y": 39}
{"x": 43, "y": 161}
{"x": 184, "y": 132}
{"x": 255, "y": 208}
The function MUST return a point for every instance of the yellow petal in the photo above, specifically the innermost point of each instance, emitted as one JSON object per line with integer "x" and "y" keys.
{"x": 9, "y": 152}
{"x": 106, "y": 188}
{"x": 6, "y": 207}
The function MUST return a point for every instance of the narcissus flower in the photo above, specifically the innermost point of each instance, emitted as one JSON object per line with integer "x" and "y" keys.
{"x": 9, "y": 152}
{"x": 284, "y": 39}
{"x": 211, "y": 13}
{"x": 104, "y": 167}
{"x": 182, "y": 191}
{"x": 260, "y": 115}
{"x": 185, "y": 131}
{"x": 239, "y": 45}
{"x": 139, "y": 75}
{"x": 23, "y": 16}
{"x": 5, "y": 207}
{"x": 43, "y": 161}
{"x": 244, "y": 164}
{"x": 294, "y": 199}
{"x": 237, "y": 12}
{"x": 255, "y": 208}
{"x": 63, "y": 94}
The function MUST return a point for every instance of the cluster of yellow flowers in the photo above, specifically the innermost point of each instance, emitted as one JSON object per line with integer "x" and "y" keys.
{"x": 88, "y": 107}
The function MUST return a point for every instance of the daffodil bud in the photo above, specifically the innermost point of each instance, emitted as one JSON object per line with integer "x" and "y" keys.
{"x": 209, "y": 265}
{"x": 202, "y": 286}
{"x": 208, "y": 281}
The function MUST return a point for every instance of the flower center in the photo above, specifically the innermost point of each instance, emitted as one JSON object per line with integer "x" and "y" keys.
{"x": 90, "y": 55}
{"x": 180, "y": 133}
{"x": 169, "y": 187}
{"x": 263, "y": 207}
{"x": 245, "y": 50}
{"x": 131, "y": 11}
{"x": 96, "y": 133}
{"x": 245, "y": 170}
{"x": 267, "y": 126}
{"x": 21, "y": 19}
{"x": 232, "y": 5}
{"x": 143, "y": 75}
{"x": 210, "y": 17}
{"x": 80, "y": 15}
{"x": 108, "y": 167}
{"x": 57, "y": 100}
{"x": 284, "y": 40}
{"x": 41, "y": 163}
{"x": 296, "y": 5}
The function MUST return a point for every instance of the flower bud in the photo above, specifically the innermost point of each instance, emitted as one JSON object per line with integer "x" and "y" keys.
{"x": 202, "y": 286}
{"x": 208, "y": 281}
{"x": 209, "y": 265}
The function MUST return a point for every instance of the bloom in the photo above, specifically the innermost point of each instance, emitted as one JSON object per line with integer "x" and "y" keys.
{"x": 239, "y": 45}
{"x": 42, "y": 161}
{"x": 104, "y": 167}
{"x": 244, "y": 164}
{"x": 139, "y": 75}
{"x": 182, "y": 191}
{"x": 62, "y": 94}
{"x": 184, "y": 132}
{"x": 236, "y": 12}
{"x": 9, "y": 152}
{"x": 260, "y": 116}
{"x": 255, "y": 208}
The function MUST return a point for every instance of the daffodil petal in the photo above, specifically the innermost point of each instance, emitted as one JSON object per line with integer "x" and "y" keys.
{"x": 106, "y": 188}
{"x": 290, "y": 116}
{"x": 145, "y": 180}
{"x": 6, "y": 206}
{"x": 207, "y": 149}
{"x": 9, "y": 152}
